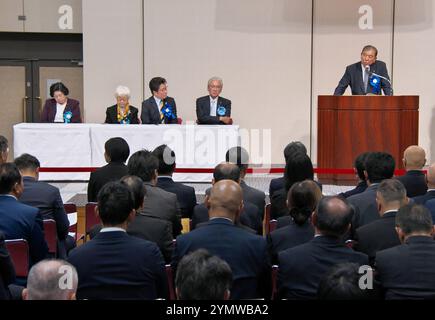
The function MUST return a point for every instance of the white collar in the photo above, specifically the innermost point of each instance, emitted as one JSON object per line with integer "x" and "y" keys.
{"x": 112, "y": 229}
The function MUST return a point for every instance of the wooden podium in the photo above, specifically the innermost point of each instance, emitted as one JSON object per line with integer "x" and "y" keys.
{"x": 350, "y": 125}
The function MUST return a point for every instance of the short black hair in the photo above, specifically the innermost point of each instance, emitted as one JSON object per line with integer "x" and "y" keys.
{"x": 413, "y": 218}
{"x": 3, "y": 144}
{"x": 166, "y": 157}
{"x": 143, "y": 164}
{"x": 294, "y": 146}
{"x": 202, "y": 276}
{"x": 58, "y": 86}
{"x": 298, "y": 168}
{"x": 115, "y": 202}
{"x": 27, "y": 162}
{"x": 155, "y": 83}
{"x": 333, "y": 220}
{"x": 238, "y": 156}
{"x": 9, "y": 176}
{"x": 226, "y": 171}
{"x": 117, "y": 149}
{"x": 379, "y": 166}
{"x": 341, "y": 282}
{"x": 135, "y": 184}
{"x": 360, "y": 164}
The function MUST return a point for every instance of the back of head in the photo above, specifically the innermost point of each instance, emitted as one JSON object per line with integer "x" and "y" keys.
{"x": 292, "y": 147}
{"x": 379, "y": 166}
{"x": 201, "y": 276}
{"x": 27, "y": 162}
{"x": 238, "y": 156}
{"x": 333, "y": 216}
{"x": 166, "y": 157}
{"x": 302, "y": 199}
{"x": 51, "y": 280}
{"x": 143, "y": 164}
{"x": 115, "y": 203}
{"x": 360, "y": 164}
{"x": 342, "y": 283}
{"x": 4, "y": 149}
{"x": 117, "y": 149}
{"x": 226, "y": 171}
{"x": 414, "y": 158}
{"x": 414, "y": 219}
{"x": 298, "y": 168}
{"x": 225, "y": 199}
{"x": 392, "y": 191}
{"x": 9, "y": 177}
{"x": 135, "y": 184}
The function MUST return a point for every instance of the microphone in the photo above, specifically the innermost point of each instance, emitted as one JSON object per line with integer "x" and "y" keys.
{"x": 382, "y": 77}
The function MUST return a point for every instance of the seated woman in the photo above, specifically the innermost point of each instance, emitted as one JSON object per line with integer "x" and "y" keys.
{"x": 61, "y": 108}
{"x": 122, "y": 112}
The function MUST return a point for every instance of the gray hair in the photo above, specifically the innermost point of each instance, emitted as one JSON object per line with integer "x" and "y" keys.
{"x": 48, "y": 280}
{"x": 215, "y": 79}
{"x": 392, "y": 190}
{"x": 122, "y": 91}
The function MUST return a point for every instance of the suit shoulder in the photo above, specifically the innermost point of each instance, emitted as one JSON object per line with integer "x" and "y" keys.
{"x": 201, "y": 99}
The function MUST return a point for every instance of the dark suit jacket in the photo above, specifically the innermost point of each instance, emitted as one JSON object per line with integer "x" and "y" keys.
{"x": 151, "y": 114}
{"x": 275, "y": 185}
{"x": 353, "y": 77}
{"x": 7, "y": 270}
{"x": 288, "y": 237}
{"x": 110, "y": 172}
{"x": 254, "y": 196}
{"x": 377, "y": 235}
{"x": 20, "y": 221}
{"x": 49, "y": 111}
{"x": 112, "y": 115}
{"x": 429, "y": 195}
{"x": 115, "y": 265}
{"x": 407, "y": 271}
{"x": 245, "y": 253}
{"x": 366, "y": 209}
{"x": 185, "y": 195}
{"x": 249, "y": 217}
{"x": 47, "y": 199}
{"x": 164, "y": 205}
{"x": 430, "y": 204}
{"x": 361, "y": 187}
{"x": 278, "y": 205}
{"x": 203, "y": 110}
{"x": 414, "y": 182}
{"x": 301, "y": 268}
{"x": 155, "y": 230}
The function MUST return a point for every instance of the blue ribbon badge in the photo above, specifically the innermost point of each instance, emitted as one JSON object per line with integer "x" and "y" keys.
{"x": 167, "y": 111}
{"x": 221, "y": 110}
{"x": 67, "y": 116}
{"x": 375, "y": 82}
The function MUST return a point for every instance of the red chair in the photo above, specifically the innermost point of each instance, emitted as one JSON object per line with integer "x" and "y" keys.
{"x": 272, "y": 225}
{"x": 179, "y": 120}
{"x": 19, "y": 252}
{"x": 170, "y": 278}
{"x": 91, "y": 217}
{"x": 50, "y": 233}
{"x": 274, "y": 277}
{"x": 266, "y": 218}
{"x": 71, "y": 211}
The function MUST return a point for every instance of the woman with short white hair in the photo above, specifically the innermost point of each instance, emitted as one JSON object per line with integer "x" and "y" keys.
{"x": 122, "y": 112}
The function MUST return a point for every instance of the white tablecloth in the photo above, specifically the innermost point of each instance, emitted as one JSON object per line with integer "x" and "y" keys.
{"x": 82, "y": 145}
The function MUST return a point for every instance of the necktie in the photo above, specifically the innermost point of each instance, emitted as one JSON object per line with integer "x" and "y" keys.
{"x": 162, "y": 117}
{"x": 366, "y": 78}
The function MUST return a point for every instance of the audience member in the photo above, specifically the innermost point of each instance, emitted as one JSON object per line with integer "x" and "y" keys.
{"x": 4, "y": 149}
{"x": 7, "y": 270}
{"x": 430, "y": 194}
{"x": 202, "y": 276}
{"x": 359, "y": 166}
{"x": 414, "y": 159}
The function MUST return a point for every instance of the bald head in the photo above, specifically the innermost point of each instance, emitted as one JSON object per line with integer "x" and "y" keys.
{"x": 332, "y": 216}
{"x": 431, "y": 176}
{"x": 225, "y": 200}
{"x": 51, "y": 280}
{"x": 414, "y": 158}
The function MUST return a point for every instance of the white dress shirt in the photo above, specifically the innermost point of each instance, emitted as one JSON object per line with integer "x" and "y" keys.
{"x": 213, "y": 106}
{"x": 60, "y": 108}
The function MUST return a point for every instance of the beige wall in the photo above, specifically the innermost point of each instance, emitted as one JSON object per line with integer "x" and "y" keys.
{"x": 112, "y": 53}
{"x": 262, "y": 50}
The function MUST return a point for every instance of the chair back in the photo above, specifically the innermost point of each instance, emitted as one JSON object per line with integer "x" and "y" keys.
{"x": 19, "y": 252}
{"x": 50, "y": 233}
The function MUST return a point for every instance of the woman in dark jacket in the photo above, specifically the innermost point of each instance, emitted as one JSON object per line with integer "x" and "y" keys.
{"x": 122, "y": 112}
{"x": 61, "y": 108}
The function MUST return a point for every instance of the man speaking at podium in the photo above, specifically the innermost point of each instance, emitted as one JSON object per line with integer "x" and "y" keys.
{"x": 366, "y": 77}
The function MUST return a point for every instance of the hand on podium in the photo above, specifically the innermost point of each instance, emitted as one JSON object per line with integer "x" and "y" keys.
{"x": 226, "y": 120}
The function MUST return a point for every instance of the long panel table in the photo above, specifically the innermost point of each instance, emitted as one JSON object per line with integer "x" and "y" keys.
{"x": 82, "y": 146}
